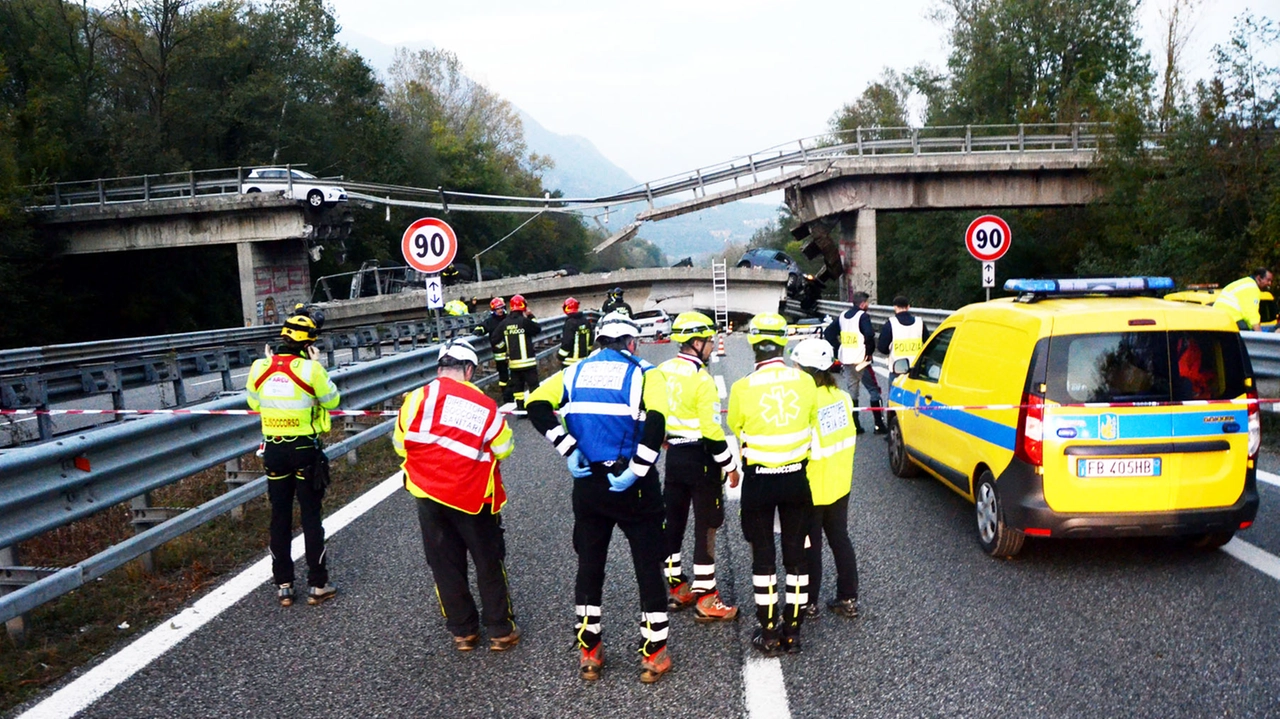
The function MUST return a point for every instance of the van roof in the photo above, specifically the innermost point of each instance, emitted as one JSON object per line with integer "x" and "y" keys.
{"x": 1100, "y": 314}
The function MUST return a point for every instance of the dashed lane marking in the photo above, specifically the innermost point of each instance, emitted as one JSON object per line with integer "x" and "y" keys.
{"x": 764, "y": 691}
{"x": 1259, "y": 559}
{"x": 720, "y": 386}
{"x": 219, "y": 380}
{"x": 1269, "y": 478}
{"x": 93, "y": 685}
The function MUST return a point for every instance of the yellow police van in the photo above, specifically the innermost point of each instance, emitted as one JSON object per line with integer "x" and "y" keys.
{"x": 1084, "y": 408}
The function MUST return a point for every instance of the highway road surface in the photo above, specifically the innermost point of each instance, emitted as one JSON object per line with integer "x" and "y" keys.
{"x": 1067, "y": 629}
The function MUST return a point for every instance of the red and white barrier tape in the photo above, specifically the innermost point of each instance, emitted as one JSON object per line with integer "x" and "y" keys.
{"x": 907, "y": 408}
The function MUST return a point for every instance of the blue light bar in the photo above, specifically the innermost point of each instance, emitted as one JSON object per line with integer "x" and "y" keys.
{"x": 1091, "y": 286}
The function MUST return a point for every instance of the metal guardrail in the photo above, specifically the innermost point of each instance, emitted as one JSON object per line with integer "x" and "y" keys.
{"x": 1263, "y": 347}
{"x": 54, "y": 484}
{"x": 860, "y": 142}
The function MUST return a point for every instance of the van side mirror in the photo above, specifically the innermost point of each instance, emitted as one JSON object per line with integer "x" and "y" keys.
{"x": 901, "y": 365}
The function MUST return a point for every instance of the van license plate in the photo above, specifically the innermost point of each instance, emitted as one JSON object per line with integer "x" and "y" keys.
{"x": 1131, "y": 467}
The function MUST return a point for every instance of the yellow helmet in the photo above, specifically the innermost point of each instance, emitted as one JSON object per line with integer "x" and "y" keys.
{"x": 300, "y": 329}
{"x": 690, "y": 325}
{"x": 767, "y": 327}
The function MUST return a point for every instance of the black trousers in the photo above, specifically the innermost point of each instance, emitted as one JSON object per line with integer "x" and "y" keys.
{"x": 638, "y": 512}
{"x": 504, "y": 380}
{"x": 523, "y": 381}
{"x": 692, "y": 477}
{"x": 448, "y": 536}
{"x": 787, "y": 496}
{"x": 285, "y": 459}
{"x": 833, "y": 519}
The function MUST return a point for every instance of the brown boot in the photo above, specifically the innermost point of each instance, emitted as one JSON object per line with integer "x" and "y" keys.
{"x": 654, "y": 666}
{"x": 467, "y": 643}
{"x": 502, "y": 644}
{"x": 710, "y": 609}
{"x": 591, "y": 662}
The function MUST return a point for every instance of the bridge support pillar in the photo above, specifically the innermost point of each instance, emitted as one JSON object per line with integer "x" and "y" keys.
{"x": 858, "y": 253}
{"x": 274, "y": 276}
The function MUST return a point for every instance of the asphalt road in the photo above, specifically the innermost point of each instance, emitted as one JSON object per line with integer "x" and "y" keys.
{"x": 1067, "y": 629}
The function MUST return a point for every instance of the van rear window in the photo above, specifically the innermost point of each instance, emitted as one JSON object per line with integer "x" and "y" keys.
{"x": 1144, "y": 367}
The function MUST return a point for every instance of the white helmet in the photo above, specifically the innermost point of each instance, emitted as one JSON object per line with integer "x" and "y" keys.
{"x": 814, "y": 353}
{"x": 459, "y": 350}
{"x": 617, "y": 325}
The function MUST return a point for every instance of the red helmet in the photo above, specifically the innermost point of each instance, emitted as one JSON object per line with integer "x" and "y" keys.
{"x": 496, "y": 304}
{"x": 570, "y": 306}
{"x": 518, "y": 304}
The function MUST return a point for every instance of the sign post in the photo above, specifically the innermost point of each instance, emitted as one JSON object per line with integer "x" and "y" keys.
{"x": 988, "y": 239}
{"x": 429, "y": 245}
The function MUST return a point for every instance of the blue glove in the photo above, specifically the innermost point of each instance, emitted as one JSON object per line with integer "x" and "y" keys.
{"x": 620, "y": 482}
{"x": 579, "y": 467}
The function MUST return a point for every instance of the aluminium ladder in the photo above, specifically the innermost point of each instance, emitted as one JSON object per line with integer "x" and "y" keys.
{"x": 720, "y": 292}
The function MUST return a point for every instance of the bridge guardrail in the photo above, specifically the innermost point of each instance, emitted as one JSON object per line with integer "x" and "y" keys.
{"x": 1263, "y": 347}
{"x": 53, "y": 484}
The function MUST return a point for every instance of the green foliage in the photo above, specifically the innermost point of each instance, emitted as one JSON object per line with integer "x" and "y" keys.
{"x": 882, "y": 104}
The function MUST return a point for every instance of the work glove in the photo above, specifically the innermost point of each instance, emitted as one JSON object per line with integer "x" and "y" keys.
{"x": 620, "y": 482}
{"x": 579, "y": 467}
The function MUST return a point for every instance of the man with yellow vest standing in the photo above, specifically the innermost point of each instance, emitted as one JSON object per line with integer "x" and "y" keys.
{"x": 830, "y": 473}
{"x": 1240, "y": 299}
{"x": 698, "y": 460}
{"x": 902, "y": 335}
{"x": 613, "y": 405}
{"x": 294, "y": 394}
{"x": 772, "y": 411}
{"x": 452, "y": 438}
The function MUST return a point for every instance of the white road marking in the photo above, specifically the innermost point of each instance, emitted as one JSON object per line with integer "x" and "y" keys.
{"x": 1259, "y": 559}
{"x": 764, "y": 691}
{"x": 1269, "y": 478}
{"x": 93, "y": 685}
{"x": 219, "y": 380}
{"x": 720, "y": 389}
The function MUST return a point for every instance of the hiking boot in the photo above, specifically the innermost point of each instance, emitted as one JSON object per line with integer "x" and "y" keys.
{"x": 709, "y": 608}
{"x": 881, "y": 429}
{"x": 791, "y": 644}
{"x": 285, "y": 594}
{"x": 654, "y": 666}
{"x": 679, "y": 597}
{"x": 502, "y": 644}
{"x": 766, "y": 642}
{"x": 591, "y": 662}
{"x": 844, "y": 607}
{"x": 811, "y": 611}
{"x": 320, "y": 595}
{"x": 467, "y": 643}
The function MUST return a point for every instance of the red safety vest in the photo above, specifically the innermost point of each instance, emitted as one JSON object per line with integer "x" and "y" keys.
{"x": 447, "y": 447}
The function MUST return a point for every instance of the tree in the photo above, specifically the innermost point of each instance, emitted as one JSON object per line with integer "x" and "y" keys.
{"x": 882, "y": 104}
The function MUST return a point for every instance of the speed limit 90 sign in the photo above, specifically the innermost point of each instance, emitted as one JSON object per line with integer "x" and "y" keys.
{"x": 988, "y": 238}
{"x": 429, "y": 245}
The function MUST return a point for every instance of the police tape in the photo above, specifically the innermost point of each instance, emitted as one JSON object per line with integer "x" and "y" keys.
{"x": 1245, "y": 402}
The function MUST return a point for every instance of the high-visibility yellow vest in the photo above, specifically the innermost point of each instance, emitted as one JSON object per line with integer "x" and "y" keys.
{"x": 456, "y": 308}
{"x": 908, "y": 340}
{"x": 694, "y": 404}
{"x": 831, "y": 448}
{"x": 293, "y": 394}
{"x": 1240, "y": 301}
{"x": 772, "y": 411}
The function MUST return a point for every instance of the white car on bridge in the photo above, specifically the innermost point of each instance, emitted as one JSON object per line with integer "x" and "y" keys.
{"x": 301, "y": 186}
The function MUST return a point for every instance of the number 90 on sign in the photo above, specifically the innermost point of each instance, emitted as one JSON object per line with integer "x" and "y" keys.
{"x": 988, "y": 238}
{"x": 429, "y": 245}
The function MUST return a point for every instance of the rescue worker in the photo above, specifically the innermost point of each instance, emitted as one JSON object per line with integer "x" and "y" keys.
{"x": 1240, "y": 299}
{"x": 294, "y": 394}
{"x": 614, "y": 303}
{"x": 902, "y": 335}
{"x": 489, "y": 328}
{"x": 515, "y": 341}
{"x": 577, "y": 336}
{"x": 830, "y": 473}
{"x": 772, "y": 411}
{"x": 456, "y": 308}
{"x": 452, "y": 438}
{"x": 614, "y": 409}
{"x": 698, "y": 461}
{"x": 853, "y": 332}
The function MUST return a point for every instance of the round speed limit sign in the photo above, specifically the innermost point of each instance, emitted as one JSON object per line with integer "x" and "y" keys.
{"x": 988, "y": 238}
{"x": 429, "y": 245}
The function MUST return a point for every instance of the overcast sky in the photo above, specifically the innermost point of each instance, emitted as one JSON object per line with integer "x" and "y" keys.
{"x": 664, "y": 86}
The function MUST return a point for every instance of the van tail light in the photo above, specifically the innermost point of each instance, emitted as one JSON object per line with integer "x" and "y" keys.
{"x": 1030, "y": 441}
{"x": 1255, "y": 424}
